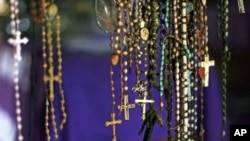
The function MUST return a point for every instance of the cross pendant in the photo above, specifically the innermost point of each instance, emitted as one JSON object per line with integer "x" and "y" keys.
{"x": 113, "y": 123}
{"x": 143, "y": 103}
{"x": 50, "y": 79}
{"x": 206, "y": 64}
{"x": 16, "y": 42}
{"x": 241, "y": 6}
{"x": 126, "y": 106}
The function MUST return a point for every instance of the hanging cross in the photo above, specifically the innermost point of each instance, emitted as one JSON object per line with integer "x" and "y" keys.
{"x": 143, "y": 103}
{"x": 50, "y": 79}
{"x": 113, "y": 123}
{"x": 126, "y": 106}
{"x": 16, "y": 42}
{"x": 206, "y": 64}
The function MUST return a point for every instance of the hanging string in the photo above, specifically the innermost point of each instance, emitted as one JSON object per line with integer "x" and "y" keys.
{"x": 154, "y": 23}
{"x": 169, "y": 66}
{"x": 166, "y": 66}
{"x": 163, "y": 42}
{"x": 193, "y": 72}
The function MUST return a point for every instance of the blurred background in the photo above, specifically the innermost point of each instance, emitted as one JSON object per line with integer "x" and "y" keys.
{"x": 86, "y": 77}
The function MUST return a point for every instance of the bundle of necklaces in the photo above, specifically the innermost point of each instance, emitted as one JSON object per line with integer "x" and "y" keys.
{"x": 165, "y": 45}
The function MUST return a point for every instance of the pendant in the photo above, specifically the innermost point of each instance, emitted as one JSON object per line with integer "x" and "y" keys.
{"x": 105, "y": 11}
{"x": 144, "y": 33}
{"x": 52, "y": 12}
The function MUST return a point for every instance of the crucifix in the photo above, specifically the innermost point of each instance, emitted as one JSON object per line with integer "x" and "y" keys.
{"x": 113, "y": 123}
{"x": 16, "y": 42}
{"x": 126, "y": 106}
{"x": 206, "y": 64}
{"x": 50, "y": 79}
{"x": 143, "y": 102}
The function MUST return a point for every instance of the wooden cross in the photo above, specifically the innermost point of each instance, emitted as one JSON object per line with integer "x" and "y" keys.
{"x": 113, "y": 123}
{"x": 206, "y": 64}
{"x": 50, "y": 79}
{"x": 126, "y": 106}
{"x": 16, "y": 42}
{"x": 143, "y": 103}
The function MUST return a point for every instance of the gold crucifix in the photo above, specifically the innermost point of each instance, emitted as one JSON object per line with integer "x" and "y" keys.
{"x": 206, "y": 64}
{"x": 113, "y": 123}
{"x": 50, "y": 79}
{"x": 16, "y": 42}
{"x": 126, "y": 106}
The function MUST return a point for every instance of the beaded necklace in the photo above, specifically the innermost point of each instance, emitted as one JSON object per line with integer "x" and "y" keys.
{"x": 16, "y": 42}
{"x": 114, "y": 61}
{"x": 48, "y": 64}
{"x": 184, "y": 75}
{"x": 223, "y": 7}
{"x": 192, "y": 66}
{"x": 200, "y": 54}
{"x": 169, "y": 66}
{"x": 177, "y": 70}
{"x": 154, "y": 22}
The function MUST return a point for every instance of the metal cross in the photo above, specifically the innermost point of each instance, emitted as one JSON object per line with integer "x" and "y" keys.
{"x": 16, "y": 42}
{"x": 126, "y": 106}
{"x": 206, "y": 64}
{"x": 143, "y": 103}
{"x": 113, "y": 123}
{"x": 50, "y": 79}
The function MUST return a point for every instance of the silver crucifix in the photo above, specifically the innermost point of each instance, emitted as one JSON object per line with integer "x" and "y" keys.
{"x": 16, "y": 42}
{"x": 143, "y": 101}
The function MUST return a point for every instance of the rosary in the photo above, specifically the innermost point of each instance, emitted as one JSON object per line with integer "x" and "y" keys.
{"x": 47, "y": 16}
{"x": 16, "y": 42}
{"x": 166, "y": 44}
{"x": 223, "y": 21}
{"x": 163, "y": 43}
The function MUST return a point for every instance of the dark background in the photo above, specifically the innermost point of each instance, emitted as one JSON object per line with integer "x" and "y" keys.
{"x": 86, "y": 77}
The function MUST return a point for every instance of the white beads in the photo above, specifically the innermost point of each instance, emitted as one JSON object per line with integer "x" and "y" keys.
{"x": 16, "y": 43}
{"x": 20, "y": 137}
